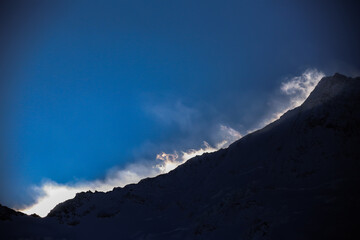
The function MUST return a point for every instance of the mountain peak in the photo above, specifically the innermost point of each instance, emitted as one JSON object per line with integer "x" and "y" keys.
{"x": 333, "y": 87}
{"x": 339, "y": 76}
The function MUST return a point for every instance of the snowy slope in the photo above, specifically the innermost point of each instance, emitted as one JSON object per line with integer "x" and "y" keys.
{"x": 297, "y": 178}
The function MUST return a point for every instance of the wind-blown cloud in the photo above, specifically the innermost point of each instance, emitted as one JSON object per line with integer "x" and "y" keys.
{"x": 50, "y": 193}
{"x": 300, "y": 87}
{"x": 172, "y": 160}
{"x": 176, "y": 113}
{"x": 296, "y": 90}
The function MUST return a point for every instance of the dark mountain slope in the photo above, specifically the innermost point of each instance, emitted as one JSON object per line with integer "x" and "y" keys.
{"x": 7, "y": 213}
{"x": 297, "y": 178}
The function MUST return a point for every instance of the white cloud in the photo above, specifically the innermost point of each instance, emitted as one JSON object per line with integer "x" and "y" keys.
{"x": 300, "y": 87}
{"x": 172, "y": 160}
{"x": 176, "y": 113}
{"x": 296, "y": 89}
{"x": 169, "y": 161}
{"x": 51, "y": 193}
{"x": 228, "y": 134}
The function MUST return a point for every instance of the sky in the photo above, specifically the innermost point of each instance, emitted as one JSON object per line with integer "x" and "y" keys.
{"x": 96, "y": 94}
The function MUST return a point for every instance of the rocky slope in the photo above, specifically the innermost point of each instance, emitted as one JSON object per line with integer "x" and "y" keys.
{"x": 297, "y": 178}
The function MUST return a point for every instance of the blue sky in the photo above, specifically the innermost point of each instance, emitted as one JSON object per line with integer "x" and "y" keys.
{"x": 88, "y": 86}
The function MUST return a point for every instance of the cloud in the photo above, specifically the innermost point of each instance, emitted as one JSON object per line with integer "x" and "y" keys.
{"x": 295, "y": 90}
{"x": 228, "y": 134}
{"x": 205, "y": 149}
{"x": 176, "y": 113}
{"x": 300, "y": 87}
{"x": 50, "y": 193}
{"x": 172, "y": 160}
{"x": 169, "y": 161}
